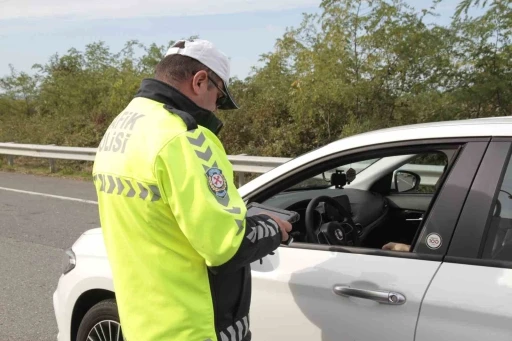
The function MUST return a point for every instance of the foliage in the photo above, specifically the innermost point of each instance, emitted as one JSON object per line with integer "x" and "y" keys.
{"x": 359, "y": 65}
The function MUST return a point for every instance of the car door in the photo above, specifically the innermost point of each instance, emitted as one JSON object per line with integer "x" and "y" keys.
{"x": 470, "y": 297}
{"x": 317, "y": 292}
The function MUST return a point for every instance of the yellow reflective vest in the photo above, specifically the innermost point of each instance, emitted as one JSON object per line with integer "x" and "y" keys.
{"x": 174, "y": 224}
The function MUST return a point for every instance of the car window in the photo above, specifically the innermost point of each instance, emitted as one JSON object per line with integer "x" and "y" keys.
{"x": 429, "y": 166}
{"x": 364, "y": 189}
{"x": 499, "y": 237}
{"x": 323, "y": 180}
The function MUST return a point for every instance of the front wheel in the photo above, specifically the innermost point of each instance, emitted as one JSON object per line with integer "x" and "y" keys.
{"x": 101, "y": 323}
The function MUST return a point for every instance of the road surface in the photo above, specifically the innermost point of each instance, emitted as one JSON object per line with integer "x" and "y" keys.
{"x": 39, "y": 218}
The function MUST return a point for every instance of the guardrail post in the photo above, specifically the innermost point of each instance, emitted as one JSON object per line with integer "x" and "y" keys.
{"x": 241, "y": 179}
{"x": 241, "y": 175}
{"x": 52, "y": 162}
{"x": 52, "y": 165}
{"x": 10, "y": 160}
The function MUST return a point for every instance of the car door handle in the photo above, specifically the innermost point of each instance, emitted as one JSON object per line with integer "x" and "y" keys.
{"x": 384, "y": 297}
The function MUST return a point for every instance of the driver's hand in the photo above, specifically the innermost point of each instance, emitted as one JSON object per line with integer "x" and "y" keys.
{"x": 396, "y": 247}
{"x": 285, "y": 226}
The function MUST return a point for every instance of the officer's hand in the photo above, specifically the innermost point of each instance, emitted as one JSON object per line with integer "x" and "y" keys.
{"x": 396, "y": 247}
{"x": 284, "y": 226}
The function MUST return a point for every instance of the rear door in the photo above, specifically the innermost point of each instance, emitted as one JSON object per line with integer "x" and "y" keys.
{"x": 470, "y": 297}
{"x": 319, "y": 292}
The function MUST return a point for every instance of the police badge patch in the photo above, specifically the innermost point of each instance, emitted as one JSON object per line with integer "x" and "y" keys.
{"x": 217, "y": 182}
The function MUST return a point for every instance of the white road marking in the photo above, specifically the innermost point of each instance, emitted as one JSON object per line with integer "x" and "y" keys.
{"x": 49, "y": 195}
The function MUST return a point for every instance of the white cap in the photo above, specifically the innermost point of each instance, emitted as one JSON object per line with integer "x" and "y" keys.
{"x": 207, "y": 54}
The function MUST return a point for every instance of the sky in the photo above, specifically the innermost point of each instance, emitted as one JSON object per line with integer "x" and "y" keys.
{"x": 31, "y": 31}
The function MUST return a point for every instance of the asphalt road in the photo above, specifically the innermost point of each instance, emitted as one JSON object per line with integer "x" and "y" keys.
{"x": 34, "y": 231}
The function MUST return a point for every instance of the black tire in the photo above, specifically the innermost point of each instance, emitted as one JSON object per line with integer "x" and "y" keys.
{"x": 102, "y": 318}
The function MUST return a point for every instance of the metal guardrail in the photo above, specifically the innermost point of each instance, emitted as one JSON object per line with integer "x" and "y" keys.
{"x": 48, "y": 151}
{"x": 242, "y": 164}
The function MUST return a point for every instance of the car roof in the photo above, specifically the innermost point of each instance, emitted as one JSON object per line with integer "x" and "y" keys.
{"x": 486, "y": 122}
{"x": 480, "y": 127}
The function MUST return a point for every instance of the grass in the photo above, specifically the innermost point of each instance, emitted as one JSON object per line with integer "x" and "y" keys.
{"x": 78, "y": 170}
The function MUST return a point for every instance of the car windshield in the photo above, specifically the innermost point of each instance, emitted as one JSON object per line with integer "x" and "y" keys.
{"x": 323, "y": 180}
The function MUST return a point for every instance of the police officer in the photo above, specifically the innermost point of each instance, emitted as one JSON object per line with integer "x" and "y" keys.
{"x": 174, "y": 224}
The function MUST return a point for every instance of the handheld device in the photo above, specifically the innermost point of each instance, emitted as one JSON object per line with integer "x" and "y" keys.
{"x": 290, "y": 216}
{"x": 255, "y": 208}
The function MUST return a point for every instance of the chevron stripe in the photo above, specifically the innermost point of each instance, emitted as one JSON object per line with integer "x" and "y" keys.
{"x": 240, "y": 330}
{"x": 234, "y": 210}
{"x": 120, "y": 186}
{"x": 240, "y": 224}
{"x": 102, "y": 179}
{"x": 232, "y": 332}
{"x": 262, "y": 230}
{"x": 198, "y": 141}
{"x": 236, "y": 332}
{"x": 112, "y": 184}
{"x": 252, "y": 235}
{"x": 156, "y": 192}
{"x": 269, "y": 230}
{"x": 246, "y": 324}
{"x": 131, "y": 192}
{"x": 206, "y": 156}
{"x": 223, "y": 201}
{"x": 143, "y": 191}
{"x": 117, "y": 185}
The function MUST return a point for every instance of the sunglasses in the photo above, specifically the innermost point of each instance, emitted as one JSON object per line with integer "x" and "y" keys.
{"x": 220, "y": 100}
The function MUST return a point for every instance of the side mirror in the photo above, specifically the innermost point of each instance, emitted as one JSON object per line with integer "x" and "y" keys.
{"x": 406, "y": 181}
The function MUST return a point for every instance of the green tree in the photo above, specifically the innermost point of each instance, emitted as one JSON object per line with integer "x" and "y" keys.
{"x": 484, "y": 77}
{"x": 356, "y": 66}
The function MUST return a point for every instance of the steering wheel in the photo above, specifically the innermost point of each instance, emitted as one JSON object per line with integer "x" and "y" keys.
{"x": 343, "y": 233}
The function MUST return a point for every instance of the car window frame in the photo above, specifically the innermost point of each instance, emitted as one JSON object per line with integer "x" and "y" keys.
{"x": 456, "y": 185}
{"x": 471, "y": 150}
{"x": 472, "y": 228}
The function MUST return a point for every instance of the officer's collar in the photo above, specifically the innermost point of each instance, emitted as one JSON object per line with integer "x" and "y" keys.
{"x": 164, "y": 93}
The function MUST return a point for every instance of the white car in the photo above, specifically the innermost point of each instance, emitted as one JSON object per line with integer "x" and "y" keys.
{"x": 442, "y": 188}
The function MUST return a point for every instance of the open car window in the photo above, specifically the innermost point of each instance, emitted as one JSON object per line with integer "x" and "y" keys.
{"x": 429, "y": 166}
{"x": 386, "y": 198}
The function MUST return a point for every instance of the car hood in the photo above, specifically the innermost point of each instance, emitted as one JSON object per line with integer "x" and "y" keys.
{"x": 91, "y": 244}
